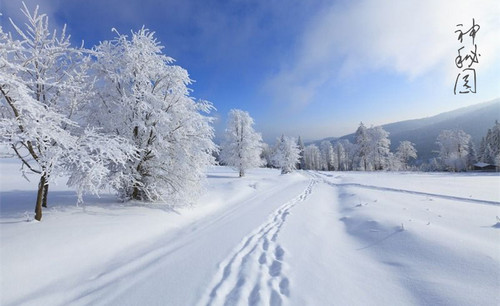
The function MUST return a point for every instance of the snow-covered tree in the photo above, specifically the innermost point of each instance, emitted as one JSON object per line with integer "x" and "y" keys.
{"x": 454, "y": 149}
{"x": 379, "y": 152}
{"x": 405, "y": 152}
{"x": 300, "y": 143}
{"x": 339, "y": 157}
{"x": 327, "y": 155}
{"x": 312, "y": 157}
{"x": 490, "y": 145}
{"x": 472, "y": 156}
{"x": 363, "y": 145}
{"x": 267, "y": 154}
{"x": 143, "y": 97}
{"x": 286, "y": 154}
{"x": 497, "y": 160}
{"x": 432, "y": 165}
{"x": 242, "y": 146}
{"x": 347, "y": 154}
{"x": 43, "y": 86}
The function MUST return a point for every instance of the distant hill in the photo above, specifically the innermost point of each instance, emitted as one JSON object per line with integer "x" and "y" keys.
{"x": 475, "y": 120}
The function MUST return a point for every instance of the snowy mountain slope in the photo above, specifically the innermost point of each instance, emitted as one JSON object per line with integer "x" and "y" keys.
{"x": 267, "y": 239}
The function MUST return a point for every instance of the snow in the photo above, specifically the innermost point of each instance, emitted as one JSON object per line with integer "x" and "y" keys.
{"x": 305, "y": 238}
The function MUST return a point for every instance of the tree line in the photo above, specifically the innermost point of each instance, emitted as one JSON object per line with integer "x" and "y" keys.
{"x": 370, "y": 151}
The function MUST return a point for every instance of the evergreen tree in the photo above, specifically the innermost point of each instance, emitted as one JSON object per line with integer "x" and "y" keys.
{"x": 490, "y": 145}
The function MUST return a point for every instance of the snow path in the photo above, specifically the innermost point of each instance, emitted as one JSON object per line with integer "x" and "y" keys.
{"x": 193, "y": 252}
{"x": 253, "y": 273}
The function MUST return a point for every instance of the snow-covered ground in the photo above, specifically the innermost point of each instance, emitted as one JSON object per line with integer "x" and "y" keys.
{"x": 306, "y": 238}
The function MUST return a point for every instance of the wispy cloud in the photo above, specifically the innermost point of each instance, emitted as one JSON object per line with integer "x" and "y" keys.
{"x": 409, "y": 38}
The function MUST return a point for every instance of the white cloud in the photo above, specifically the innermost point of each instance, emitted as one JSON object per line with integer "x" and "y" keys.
{"x": 411, "y": 38}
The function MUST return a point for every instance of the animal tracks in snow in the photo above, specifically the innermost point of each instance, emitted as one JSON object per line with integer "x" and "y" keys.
{"x": 255, "y": 273}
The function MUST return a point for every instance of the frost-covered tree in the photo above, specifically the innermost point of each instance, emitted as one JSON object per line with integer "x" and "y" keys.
{"x": 266, "y": 155}
{"x": 346, "y": 153}
{"x": 143, "y": 97}
{"x": 300, "y": 143}
{"x": 497, "y": 160}
{"x": 454, "y": 149}
{"x": 372, "y": 148}
{"x": 363, "y": 145}
{"x": 405, "y": 152}
{"x": 243, "y": 145}
{"x": 286, "y": 154}
{"x": 379, "y": 152}
{"x": 472, "y": 156}
{"x": 339, "y": 160}
{"x": 327, "y": 155}
{"x": 312, "y": 157}
{"x": 490, "y": 145}
{"x": 43, "y": 86}
{"x": 432, "y": 165}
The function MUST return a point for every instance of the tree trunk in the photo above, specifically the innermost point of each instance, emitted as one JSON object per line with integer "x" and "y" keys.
{"x": 135, "y": 193}
{"x": 39, "y": 197}
{"x": 242, "y": 173}
{"x": 45, "y": 194}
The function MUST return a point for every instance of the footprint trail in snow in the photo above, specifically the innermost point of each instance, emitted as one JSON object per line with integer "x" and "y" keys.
{"x": 254, "y": 273}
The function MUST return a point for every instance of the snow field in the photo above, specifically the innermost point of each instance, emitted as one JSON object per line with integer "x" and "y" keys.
{"x": 442, "y": 251}
{"x": 306, "y": 238}
{"x": 326, "y": 266}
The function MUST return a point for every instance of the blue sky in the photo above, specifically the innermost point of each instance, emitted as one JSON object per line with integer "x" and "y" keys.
{"x": 309, "y": 68}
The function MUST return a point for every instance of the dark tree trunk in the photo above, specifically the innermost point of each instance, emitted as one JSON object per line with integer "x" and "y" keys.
{"x": 135, "y": 193}
{"x": 242, "y": 173}
{"x": 39, "y": 198}
{"x": 45, "y": 194}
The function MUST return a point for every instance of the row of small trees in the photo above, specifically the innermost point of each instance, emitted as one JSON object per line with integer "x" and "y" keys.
{"x": 243, "y": 149}
{"x": 119, "y": 114}
{"x": 370, "y": 152}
